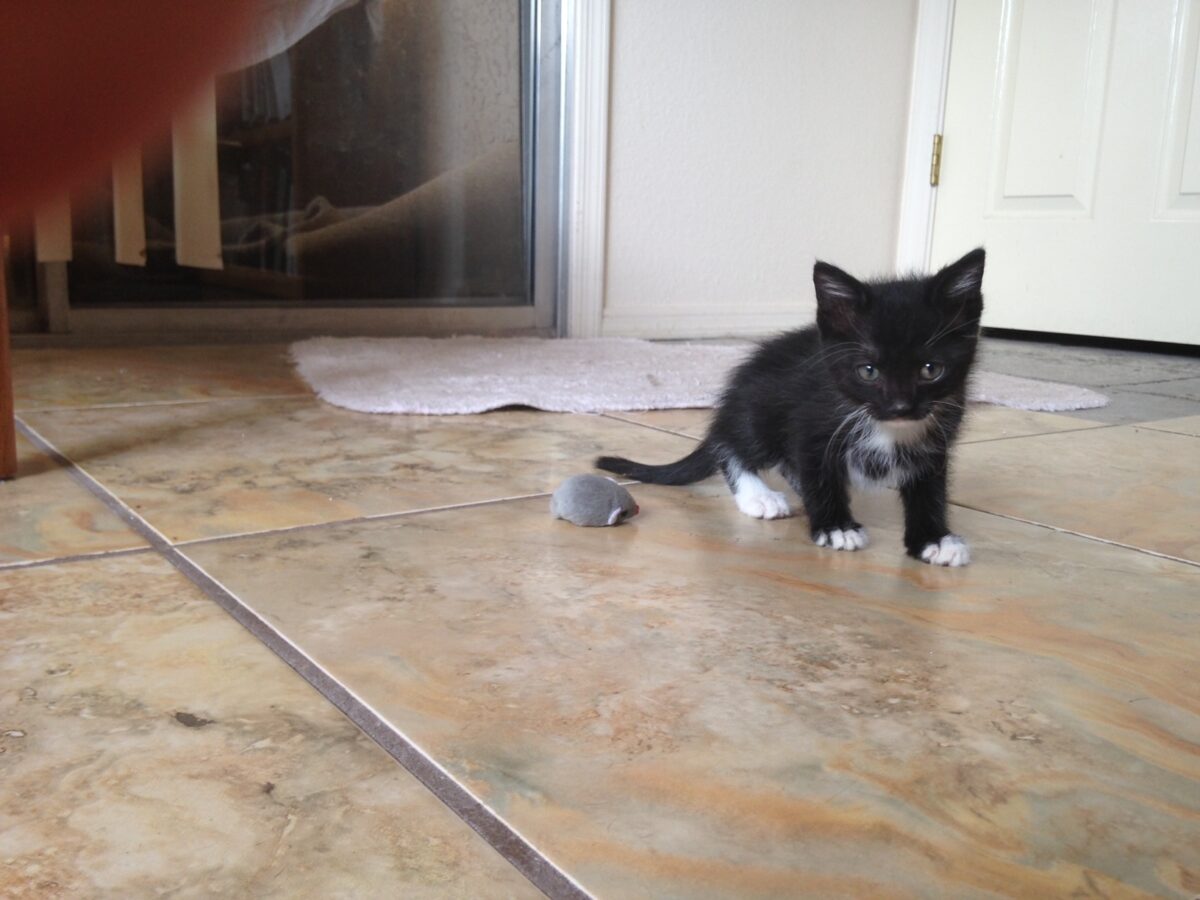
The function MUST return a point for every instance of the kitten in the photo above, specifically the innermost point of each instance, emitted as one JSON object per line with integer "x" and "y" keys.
{"x": 873, "y": 393}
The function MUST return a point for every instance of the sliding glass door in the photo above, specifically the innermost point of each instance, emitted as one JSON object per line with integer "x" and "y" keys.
{"x": 380, "y": 165}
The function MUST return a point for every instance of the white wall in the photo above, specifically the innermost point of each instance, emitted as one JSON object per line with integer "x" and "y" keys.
{"x": 746, "y": 140}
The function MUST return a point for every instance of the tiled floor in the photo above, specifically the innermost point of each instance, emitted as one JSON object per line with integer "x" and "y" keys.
{"x": 695, "y": 704}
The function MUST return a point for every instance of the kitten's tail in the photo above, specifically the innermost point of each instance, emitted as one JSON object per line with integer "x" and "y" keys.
{"x": 697, "y": 465}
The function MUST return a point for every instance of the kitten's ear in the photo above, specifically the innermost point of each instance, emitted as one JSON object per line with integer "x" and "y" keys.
{"x": 960, "y": 282}
{"x": 841, "y": 299}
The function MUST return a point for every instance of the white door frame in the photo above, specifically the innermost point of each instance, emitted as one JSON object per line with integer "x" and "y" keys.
{"x": 587, "y": 31}
{"x": 927, "y": 111}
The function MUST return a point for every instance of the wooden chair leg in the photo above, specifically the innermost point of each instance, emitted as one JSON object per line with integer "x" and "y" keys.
{"x": 8, "y": 424}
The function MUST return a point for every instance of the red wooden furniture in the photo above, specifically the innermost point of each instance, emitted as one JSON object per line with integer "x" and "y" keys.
{"x": 8, "y": 423}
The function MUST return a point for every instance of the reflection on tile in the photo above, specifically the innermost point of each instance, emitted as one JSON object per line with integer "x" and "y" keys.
{"x": 151, "y": 747}
{"x": 1133, "y": 485}
{"x": 1186, "y": 425}
{"x": 44, "y": 514}
{"x": 201, "y": 470}
{"x": 697, "y": 704}
{"x": 86, "y": 377}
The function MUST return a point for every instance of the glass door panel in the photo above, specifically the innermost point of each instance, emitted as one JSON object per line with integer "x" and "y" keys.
{"x": 383, "y": 159}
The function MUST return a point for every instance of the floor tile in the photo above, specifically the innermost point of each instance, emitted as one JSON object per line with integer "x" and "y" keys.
{"x": 106, "y": 375}
{"x": 201, "y": 470}
{"x": 1133, "y": 485}
{"x": 45, "y": 514}
{"x": 149, "y": 747}
{"x": 1183, "y": 388}
{"x": 1186, "y": 425}
{"x": 1128, "y": 408}
{"x": 1093, "y": 366}
{"x": 698, "y": 704}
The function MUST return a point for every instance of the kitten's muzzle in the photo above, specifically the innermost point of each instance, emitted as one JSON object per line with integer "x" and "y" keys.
{"x": 898, "y": 409}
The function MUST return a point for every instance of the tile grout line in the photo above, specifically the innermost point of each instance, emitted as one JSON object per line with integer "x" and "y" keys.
{"x": 1167, "y": 431}
{"x": 374, "y": 517}
{"x": 1131, "y": 384}
{"x": 1087, "y": 426}
{"x": 1162, "y": 396}
{"x": 502, "y": 837}
{"x": 155, "y": 538}
{"x": 137, "y": 403}
{"x": 1079, "y": 534}
{"x": 74, "y": 557}
{"x": 616, "y": 418}
{"x": 359, "y": 520}
{"x": 1093, "y": 426}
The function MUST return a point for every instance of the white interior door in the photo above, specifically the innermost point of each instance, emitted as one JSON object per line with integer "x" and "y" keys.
{"x": 1072, "y": 152}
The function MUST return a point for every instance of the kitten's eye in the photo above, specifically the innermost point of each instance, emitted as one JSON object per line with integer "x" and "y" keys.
{"x": 867, "y": 372}
{"x": 932, "y": 371}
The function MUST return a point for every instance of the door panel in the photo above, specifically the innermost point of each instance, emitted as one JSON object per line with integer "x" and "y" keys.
{"x": 1072, "y": 152}
{"x": 1179, "y": 195}
{"x": 1054, "y": 59}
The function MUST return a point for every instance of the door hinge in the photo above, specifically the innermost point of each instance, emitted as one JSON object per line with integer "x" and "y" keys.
{"x": 935, "y": 162}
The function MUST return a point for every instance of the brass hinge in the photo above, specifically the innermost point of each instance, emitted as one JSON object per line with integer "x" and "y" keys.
{"x": 935, "y": 163}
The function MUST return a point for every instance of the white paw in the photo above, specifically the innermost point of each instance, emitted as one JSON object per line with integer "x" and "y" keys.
{"x": 763, "y": 504}
{"x": 949, "y": 551}
{"x": 842, "y": 539}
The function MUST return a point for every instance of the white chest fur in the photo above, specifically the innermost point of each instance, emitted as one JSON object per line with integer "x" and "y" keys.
{"x": 878, "y": 457}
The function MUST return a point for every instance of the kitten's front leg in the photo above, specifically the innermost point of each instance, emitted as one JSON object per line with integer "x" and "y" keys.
{"x": 827, "y": 503}
{"x": 926, "y": 535}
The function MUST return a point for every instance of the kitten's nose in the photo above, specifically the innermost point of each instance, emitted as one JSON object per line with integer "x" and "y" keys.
{"x": 898, "y": 409}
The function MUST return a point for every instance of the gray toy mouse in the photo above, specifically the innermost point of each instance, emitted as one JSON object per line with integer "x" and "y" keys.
{"x": 592, "y": 501}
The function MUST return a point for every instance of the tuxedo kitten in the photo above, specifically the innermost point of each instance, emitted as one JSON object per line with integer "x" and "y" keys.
{"x": 874, "y": 393}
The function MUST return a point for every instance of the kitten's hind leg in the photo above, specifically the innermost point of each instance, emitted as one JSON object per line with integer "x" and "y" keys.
{"x": 751, "y": 493}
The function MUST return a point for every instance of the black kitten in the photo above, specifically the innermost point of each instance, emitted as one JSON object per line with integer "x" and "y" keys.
{"x": 873, "y": 393}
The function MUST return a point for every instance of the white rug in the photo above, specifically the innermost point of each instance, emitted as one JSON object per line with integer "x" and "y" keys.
{"x": 440, "y": 376}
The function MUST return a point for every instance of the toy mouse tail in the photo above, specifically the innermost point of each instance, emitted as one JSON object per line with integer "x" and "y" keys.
{"x": 697, "y": 465}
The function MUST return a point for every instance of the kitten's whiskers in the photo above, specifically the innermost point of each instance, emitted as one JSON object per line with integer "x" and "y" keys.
{"x": 859, "y": 416}
{"x": 943, "y": 428}
{"x": 952, "y": 326}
